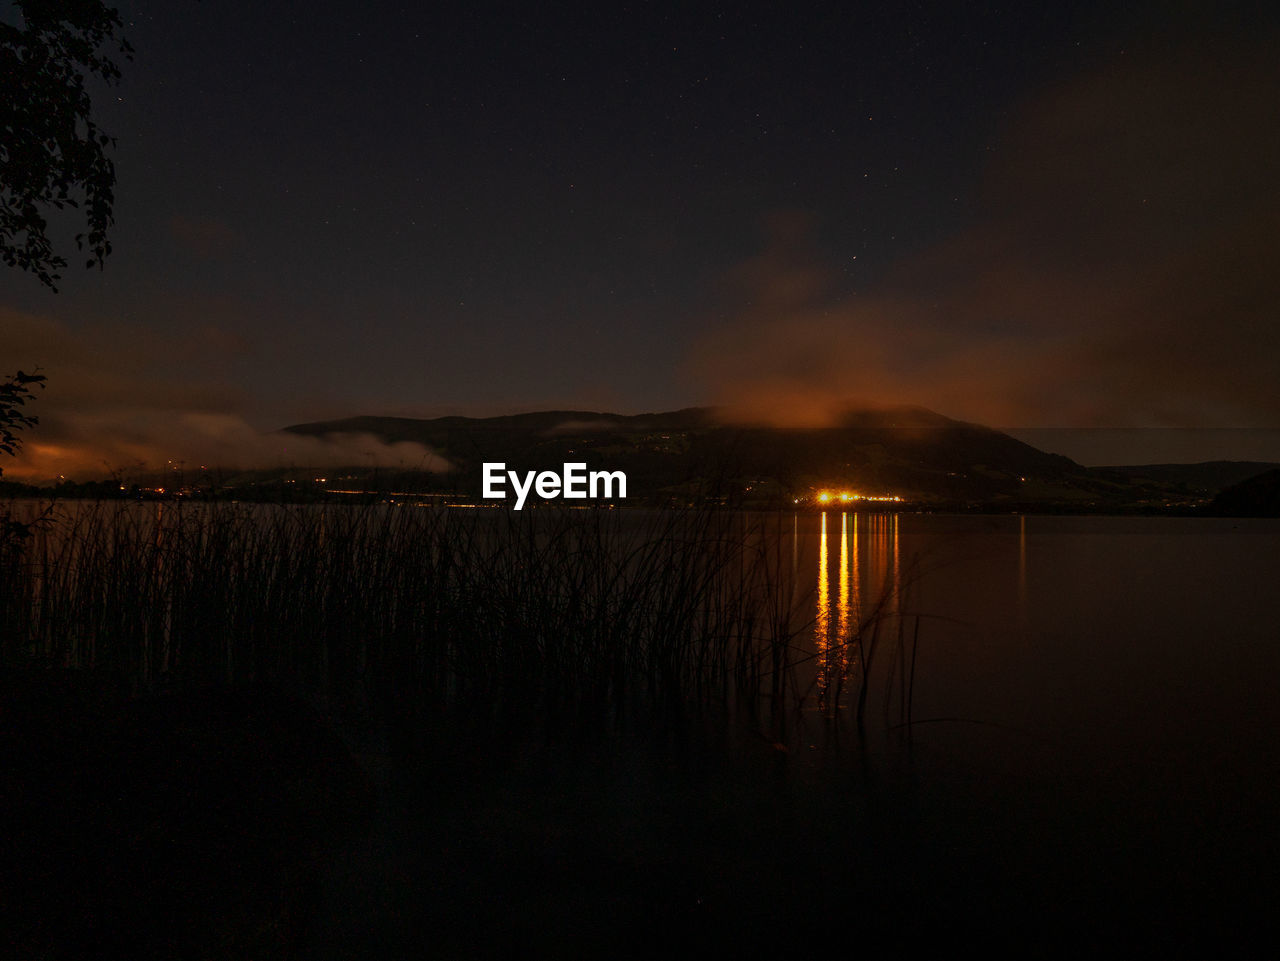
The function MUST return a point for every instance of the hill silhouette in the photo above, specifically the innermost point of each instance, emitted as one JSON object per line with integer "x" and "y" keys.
{"x": 683, "y": 455}
{"x": 1258, "y": 496}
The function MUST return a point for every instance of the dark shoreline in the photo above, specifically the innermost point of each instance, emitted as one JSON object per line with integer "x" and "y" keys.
{"x": 18, "y": 492}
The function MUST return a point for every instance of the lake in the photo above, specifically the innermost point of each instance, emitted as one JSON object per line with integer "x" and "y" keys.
{"x": 1066, "y": 738}
{"x": 1094, "y": 632}
{"x": 1092, "y": 762}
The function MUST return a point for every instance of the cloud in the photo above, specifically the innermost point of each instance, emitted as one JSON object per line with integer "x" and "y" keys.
{"x": 83, "y": 445}
{"x": 125, "y": 400}
{"x": 1122, "y": 273}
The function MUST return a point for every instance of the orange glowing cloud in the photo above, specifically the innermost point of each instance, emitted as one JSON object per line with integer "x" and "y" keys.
{"x": 122, "y": 401}
{"x": 1123, "y": 274}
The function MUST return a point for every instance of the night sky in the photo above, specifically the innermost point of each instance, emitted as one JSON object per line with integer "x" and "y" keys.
{"x": 1031, "y": 216}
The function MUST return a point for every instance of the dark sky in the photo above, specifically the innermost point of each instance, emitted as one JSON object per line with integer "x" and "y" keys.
{"x": 1033, "y": 216}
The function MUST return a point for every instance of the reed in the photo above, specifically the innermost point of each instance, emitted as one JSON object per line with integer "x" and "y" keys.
{"x": 401, "y": 616}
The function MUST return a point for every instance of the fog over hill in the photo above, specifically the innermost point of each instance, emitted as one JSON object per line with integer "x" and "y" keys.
{"x": 910, "y": 452}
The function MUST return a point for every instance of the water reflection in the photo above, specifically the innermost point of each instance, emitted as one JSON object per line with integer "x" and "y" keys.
{"x": 867, "y": 575}
{"x": 822, "y": 623}
{"x": 1022, "y": 572}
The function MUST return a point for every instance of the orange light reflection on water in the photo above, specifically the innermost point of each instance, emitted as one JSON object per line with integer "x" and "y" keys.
{"x": 870, "y": 563}
{"x": 822, "y": 625}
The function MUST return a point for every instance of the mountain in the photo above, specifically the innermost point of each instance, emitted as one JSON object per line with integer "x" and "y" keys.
{"x": 684, "y": 455}
{"x": 1259, "y": 496}
{"x": 1202, "y": 479}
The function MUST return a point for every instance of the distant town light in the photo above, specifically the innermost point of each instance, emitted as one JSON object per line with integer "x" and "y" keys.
{"x": 825, "y": 497}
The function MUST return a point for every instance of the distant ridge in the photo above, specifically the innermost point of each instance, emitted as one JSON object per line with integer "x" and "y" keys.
{"x": 588, "y": 421}
{"x": 1259, "y": 496}
{"x": 912, "y": 452}
{"x": 1206, "y": 477}
{"x": 683, "y": 455}
{"x": 411, "y": 428}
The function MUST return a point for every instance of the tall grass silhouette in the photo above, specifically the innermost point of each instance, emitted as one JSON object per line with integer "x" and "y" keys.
{"x": 404, "y": 616}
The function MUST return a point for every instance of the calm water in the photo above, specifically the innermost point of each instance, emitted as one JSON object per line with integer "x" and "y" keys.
{"x": 1081, "y": 630}
{"x": 1134, "y": 656}
{"x": 1095, "y": 702}
{"x": 1093, "y": 765}
{"x": 1097, "y": 634}
{"x": 1093, "y": 755}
